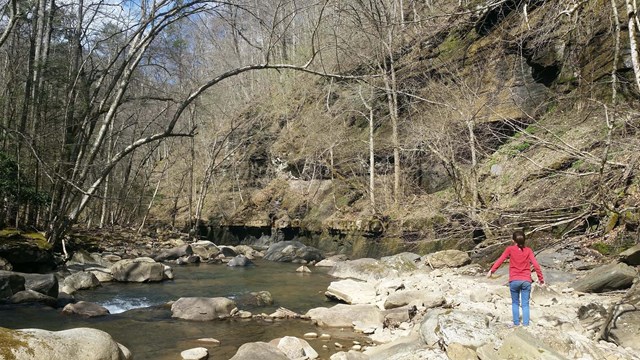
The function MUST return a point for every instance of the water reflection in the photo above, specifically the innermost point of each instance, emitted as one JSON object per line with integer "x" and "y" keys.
{"x": 150, "y": 332}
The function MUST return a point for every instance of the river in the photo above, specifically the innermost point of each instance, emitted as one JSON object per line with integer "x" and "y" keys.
{"x": 141, "y": 321}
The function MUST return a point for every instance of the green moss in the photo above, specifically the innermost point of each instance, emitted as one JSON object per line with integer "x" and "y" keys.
{"x": 602, "y": 248}
{"x": 9, "y": 232}
{"x": 10, "y": 341}
{"x": 38, "y": 239}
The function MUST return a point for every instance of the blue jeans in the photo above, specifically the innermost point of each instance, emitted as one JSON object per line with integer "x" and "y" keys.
{"x": 520, "y": 291}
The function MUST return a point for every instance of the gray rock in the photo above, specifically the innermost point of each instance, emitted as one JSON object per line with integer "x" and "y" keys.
{"x": 262, "y": 298}
{"x": 10, "y": 283}
{"x": 102, "y": 274}
{"x": 292, "y": 251}
{"x": 247, "y": 251}
{"x": 403, "y": 263}
{"x": 606, "y": 278}
{"x": 202, "y": 309}
{"x": 428, "y": 299}
{"x": 87, "y": 309}
{"x": 521, "y": 344}
{"x": 46, "y": 284}
{"x": 343, "y": 315}
{"x": 351, "y": 291}
{"x": 240, "y": 261}
{"x": 228, "y": 251}
{"x": 79, "y": 343}
{"x": 138, "y": 270}
{"x": 205, "y": 249}
{"x": 198, "y": 353}
{"x": 365, "y": 269}
{"x": 466, "y": 328}
{"x": 5, "y": 264}
{"x": 295, "y": 348}
{"x": 83, "y": 257}
{"x": 78, "y": 281}
{"x": 350, "y": 355}
{"x": 631, "y": 256}
{"x": 332, "y": 260}
{"x": 174, "y": 253}
{"x": 448, "y": 258}
{"x": 30, "y": 296}
{"x": 259, "y": 350}
{"x": 626, "y": 333}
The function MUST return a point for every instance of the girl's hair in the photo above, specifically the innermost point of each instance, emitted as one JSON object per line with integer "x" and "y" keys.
{"x": 518, "y": 237}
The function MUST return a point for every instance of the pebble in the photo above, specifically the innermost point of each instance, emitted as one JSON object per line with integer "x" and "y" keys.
{"x": 325, "y": 337}
{"x": 338, "y": 345}
{"x": 210, "y": 341}
{"x": 310, "y": 335}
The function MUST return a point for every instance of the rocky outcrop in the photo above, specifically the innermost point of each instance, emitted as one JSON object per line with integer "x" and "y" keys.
{"x": 202, "y": 309}
{"x": 292, "y": 251}
{"x": 79, "y": 343}
{"x": 606, "y": 278}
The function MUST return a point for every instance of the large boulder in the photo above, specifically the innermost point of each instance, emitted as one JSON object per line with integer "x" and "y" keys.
{"x": 351, "y": 291}
{"x": 202, "y": 309}
{"x": 448, "y": 258}
{"x": 365, "y": 269}
{"x": 606, "y": 278}
{"x": 205, "y": 249}
{"x": 31, "y": 296}
{"x": 10, "y": 283}
{"x": 138, "y": 270}
{"x": 428, "y": 299}
{"x": 174, "y": 253}
{"x": 466, "y": 328}
{"x": 403, "y": 263}
{"x": 29, "y": 252}
{"x": 83, "y": 257}
{"x": 77, "y": 344}
{"x": 631, "y": 256}
{"x": 292, "y": 251}
{"x": 343, "y": 315}
{"x": 102, "y": 274}
{"x": 46, "y": 284}
{"x": 240, "y": 261}
{"x": 79, "y": 281}
{"x": 520, "y": 344}
{"x": 85, "y": 308}
{"x": 259, "y": 350}
{"x": 295, "y": 348}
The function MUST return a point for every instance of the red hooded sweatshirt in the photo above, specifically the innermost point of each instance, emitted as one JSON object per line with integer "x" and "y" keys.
{"x": 520, "y": 261}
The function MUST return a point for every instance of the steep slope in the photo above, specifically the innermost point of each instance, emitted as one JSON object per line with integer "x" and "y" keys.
{"x": 507, "y": 119}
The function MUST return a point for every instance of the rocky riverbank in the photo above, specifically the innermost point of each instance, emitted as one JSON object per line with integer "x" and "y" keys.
{"x": 438, "y": 306}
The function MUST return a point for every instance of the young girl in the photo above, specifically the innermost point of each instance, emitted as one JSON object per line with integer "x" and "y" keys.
{"x": 520, "y": 260}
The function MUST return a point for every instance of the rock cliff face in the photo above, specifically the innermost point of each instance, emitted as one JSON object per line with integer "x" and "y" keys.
{"x": 507, "y": 119}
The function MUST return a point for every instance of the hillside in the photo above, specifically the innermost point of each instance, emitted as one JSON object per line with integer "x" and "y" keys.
{"x": 506, "y": 118}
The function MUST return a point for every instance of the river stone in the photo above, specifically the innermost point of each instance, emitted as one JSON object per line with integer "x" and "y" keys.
{"x": 247, "y": 251}
{"x": 262, "y": 298}
{"x": 428, "y": 299}
{"x": 259, "y": 350}
{"x": 85, "y": 308}
{"x": 228, "y": 251}
{"x": 77, "y": 344}
{"x": 5, "y": 264}
{"x": 10, "y": 283}
{"x": 78, "y": 281}
{"x": 198, "y": 353}
{"x": 205, "y": 249}
{"x": 292, "y": 251}
{"x": 630, "y": 256}
{"x": 606, "y": 278}
{"x": 343, "y": 315}
{"x": 303, "y": 269}
{"x": 365, "y": 269}
{"x": 295, "y": 348}
{"x": 448, "y": 258}
{"x": 351, "y": 291}
{"x": 167, "y": 272}
{"x": 31, "y": 296}
{"x": 84, "y": 257}
{"x": 466, "y": 328}
{"x": 138, "y": 270}
{"x": 351, "y": 355}
{"x": 239, "y": 261}
{"x": 102, "y": 274}
{"x": 202, "y": 309}
{"x": 174, "y": 253}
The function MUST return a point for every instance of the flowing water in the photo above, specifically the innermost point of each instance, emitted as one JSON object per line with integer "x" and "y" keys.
{"x": 141, "y": 321}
